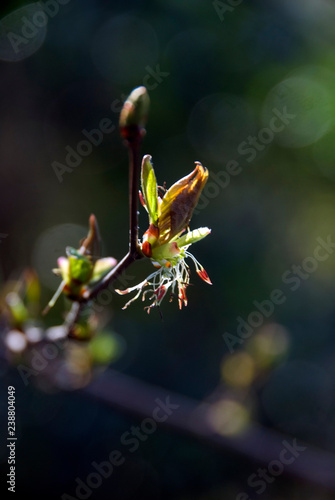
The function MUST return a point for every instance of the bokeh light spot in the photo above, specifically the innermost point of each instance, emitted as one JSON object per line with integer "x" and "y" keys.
{"x": 16, "y": 341}
{"x": 269, "y": 345}
{"x": 229, "y": 417}
{"x": 106, "y": 347}
{"x": 22, "y": 32}
{"x": 238, "y": 370}
{"x": 305, "y": 103}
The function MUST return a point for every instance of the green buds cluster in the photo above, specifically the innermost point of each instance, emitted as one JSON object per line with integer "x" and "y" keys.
{"x": 82, "y": 268}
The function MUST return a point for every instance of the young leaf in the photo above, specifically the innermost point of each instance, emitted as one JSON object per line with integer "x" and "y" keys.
{"x": 80, "y": 269}
{"x": 192, "y": 236}
{"x": 179, "y": 202}
{"x": 149, "y": 188}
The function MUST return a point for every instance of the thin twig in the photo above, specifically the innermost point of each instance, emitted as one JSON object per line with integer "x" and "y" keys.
{"x": 134, "y": 167}
{"x": 134, "y": 251}
{"x": 111, "y": 276}
{"x": 72, "y": 316}
{"x": 134, "y": 146}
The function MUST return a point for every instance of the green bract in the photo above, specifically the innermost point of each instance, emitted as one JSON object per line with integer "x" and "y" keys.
{"x": 80, "y": 267}
{"x": 192, "y": 236}
{"x": 149, "y": 186}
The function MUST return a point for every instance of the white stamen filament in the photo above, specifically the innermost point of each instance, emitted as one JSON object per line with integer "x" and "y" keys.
{"x": 167, "y": 277}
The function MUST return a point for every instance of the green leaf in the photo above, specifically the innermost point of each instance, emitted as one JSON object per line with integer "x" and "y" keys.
{"x": 80, "y": 269}
{"x": 149, "y": 188}
{"x": 192, "y": 236}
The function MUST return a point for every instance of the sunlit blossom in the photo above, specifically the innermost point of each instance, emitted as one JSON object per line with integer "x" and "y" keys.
{"x": 164, "y": 242}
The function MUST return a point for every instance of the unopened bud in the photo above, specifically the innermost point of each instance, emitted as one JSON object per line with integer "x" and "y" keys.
{"x": 134, "y": 113}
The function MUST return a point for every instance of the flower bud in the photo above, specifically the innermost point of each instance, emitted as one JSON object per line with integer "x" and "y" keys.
{"x": 134, "y": 113}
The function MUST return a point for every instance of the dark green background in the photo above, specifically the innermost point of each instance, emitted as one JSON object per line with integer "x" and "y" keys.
{"x": 225, "y": 75}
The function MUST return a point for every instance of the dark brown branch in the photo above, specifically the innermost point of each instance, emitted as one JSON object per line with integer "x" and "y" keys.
{"x": 112, "y": 275}
{"x": 134, "y": 167}
{"x": 133, "y": 143}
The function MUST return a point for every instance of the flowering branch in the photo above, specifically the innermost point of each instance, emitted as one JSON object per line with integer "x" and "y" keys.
{"x": 169, "y": 216}
{"x": 132, "y": 120}
{"x": 84, "y": 273}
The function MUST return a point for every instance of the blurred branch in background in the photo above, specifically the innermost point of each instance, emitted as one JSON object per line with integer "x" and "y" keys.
{"x": 195, "y": 419}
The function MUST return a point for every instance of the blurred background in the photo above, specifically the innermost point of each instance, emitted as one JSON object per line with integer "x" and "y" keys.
{"x": 246, "y": 88}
